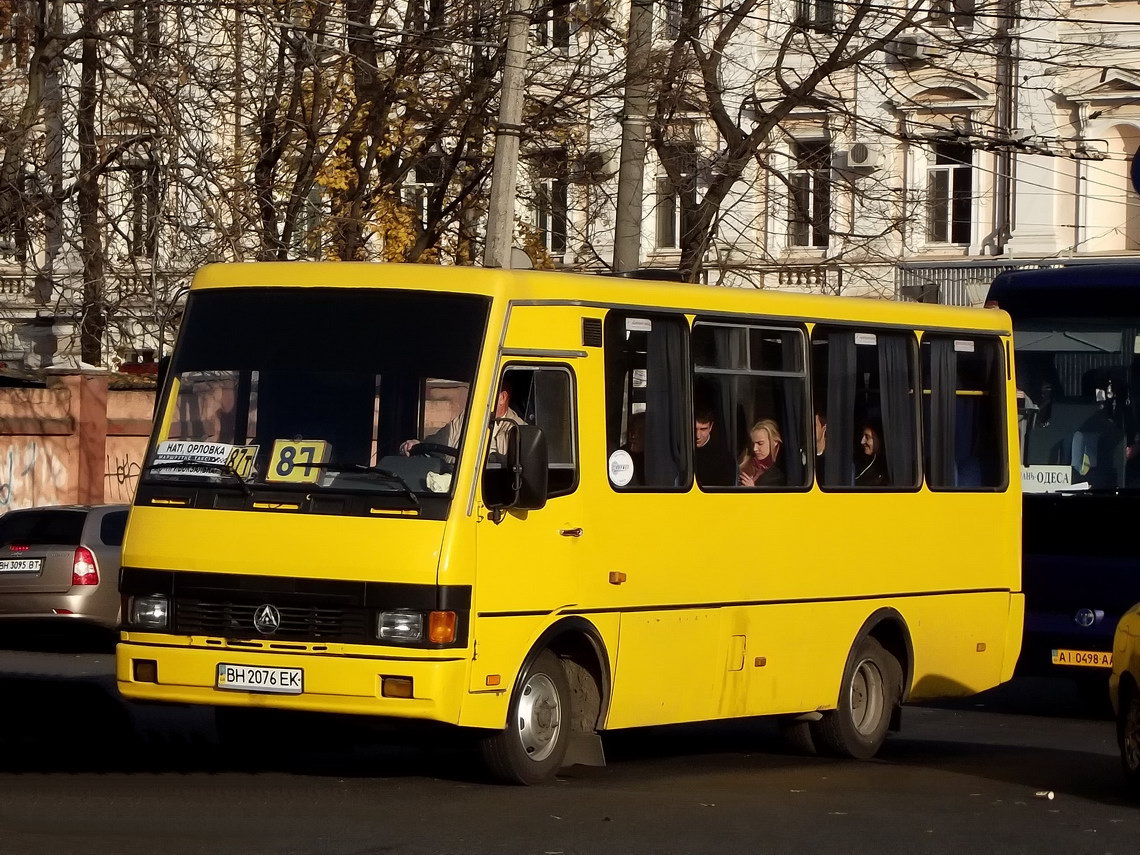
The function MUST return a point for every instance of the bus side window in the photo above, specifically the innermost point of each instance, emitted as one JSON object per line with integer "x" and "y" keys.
{"x": 544, "y": 397}
{"x": 750, "y": 379}
{"x": 963, "y": 421}
{"x": 649, "y": 420}
{"x": 864, "y": 393}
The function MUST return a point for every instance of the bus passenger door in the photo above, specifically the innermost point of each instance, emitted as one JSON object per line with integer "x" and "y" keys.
{"x": 526, "y": 558}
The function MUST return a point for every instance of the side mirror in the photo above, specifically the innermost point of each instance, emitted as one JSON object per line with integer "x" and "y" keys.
{"x": 531, "y": 466}
{"x": 160, "y": 382}
{"x": 517, "y": 479}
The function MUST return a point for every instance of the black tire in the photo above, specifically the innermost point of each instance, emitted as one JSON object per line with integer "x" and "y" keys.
{"x": 1128, "y": 737}
{"x": 532, "y": 747}
{"x": 868, "y": 695}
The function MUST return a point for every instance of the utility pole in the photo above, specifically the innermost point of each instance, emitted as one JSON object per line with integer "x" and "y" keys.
{"x": 635, "y": 117}
{"x": 501, "y": 216}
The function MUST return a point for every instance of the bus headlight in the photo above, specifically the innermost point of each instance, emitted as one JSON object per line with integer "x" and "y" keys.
{"x": 151, "y": 612}
{"x": 400, "y": 626}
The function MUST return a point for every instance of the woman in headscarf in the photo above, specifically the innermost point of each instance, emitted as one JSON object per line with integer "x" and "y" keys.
{"x": 871, "y": 464}
{"x": 758, "y": 466}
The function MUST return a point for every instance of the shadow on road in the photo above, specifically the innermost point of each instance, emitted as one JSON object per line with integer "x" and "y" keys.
{"x": 1041, "y": 696}
{"x": 62, "y": 714}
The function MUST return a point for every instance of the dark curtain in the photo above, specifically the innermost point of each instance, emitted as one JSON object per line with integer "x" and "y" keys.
{"x": 731, "y": 352}
{"x": 897, "y": 408}
{"x": 795, "y": 460}
{"x": 839, "y": 458}
{"x": 667, "y": 439}
{"x": 617, "y": 371}
{"x": 940, "y": 435}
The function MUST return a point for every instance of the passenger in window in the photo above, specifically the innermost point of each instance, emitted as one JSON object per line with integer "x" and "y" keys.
{"x": 820, "y": 439}
{"x": 871, "y": 465}
{"x": 760, "y": 466}
{"x": 712, "y": 460}
{"x": 450, "y": 433}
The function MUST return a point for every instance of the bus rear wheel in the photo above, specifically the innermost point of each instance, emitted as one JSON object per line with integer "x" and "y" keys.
{"x": 533, "y": 745}
{"x": 870, "y": 690}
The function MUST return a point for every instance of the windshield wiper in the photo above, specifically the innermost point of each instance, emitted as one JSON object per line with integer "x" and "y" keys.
{"x": 387, "y": 474}
{"x": 223, "y": 468}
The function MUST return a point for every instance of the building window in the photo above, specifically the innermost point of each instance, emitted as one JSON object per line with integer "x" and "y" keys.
{"x": 949, "y": 190}
{"x": 142, "y": 208}
{"x": 809, "y": 203}
{"x": 146, "y": 31}
{"x": 818, "y": 15}
{"x": 419, "y": 183}
{"x": 952, "y": 13}
{"x": 552, "y": 25}
{"x": 551, "y": 202}
{"x": 14, "y": 227}
{"x": 668, "y": 23}
{"x": 676, "y": 194}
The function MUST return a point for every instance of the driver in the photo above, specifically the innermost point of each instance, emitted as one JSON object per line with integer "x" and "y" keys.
{"x": 449, "y": 434}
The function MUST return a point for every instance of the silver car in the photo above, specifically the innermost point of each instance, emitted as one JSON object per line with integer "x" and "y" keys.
{"x": 61, "y": 563}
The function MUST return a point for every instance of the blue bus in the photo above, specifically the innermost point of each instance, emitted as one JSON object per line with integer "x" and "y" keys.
{"x": 1077, "y": 343}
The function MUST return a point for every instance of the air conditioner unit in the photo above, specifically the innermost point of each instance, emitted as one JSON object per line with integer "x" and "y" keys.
{"x": 911, "y": 46}
{"x": 865, "y": 155}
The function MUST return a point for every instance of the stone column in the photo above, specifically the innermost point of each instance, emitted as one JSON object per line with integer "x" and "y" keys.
{"x": 87, "y": 446}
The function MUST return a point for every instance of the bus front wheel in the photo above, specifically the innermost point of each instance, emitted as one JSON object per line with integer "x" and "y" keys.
{"x": 533, "y": 745}
{"x": 870, "y": 690}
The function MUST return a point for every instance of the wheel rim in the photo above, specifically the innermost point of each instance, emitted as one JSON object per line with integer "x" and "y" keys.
{"x": 1130, "y": 736}
{"x": 866, "y": 697}
{"x": 539, "y": 717}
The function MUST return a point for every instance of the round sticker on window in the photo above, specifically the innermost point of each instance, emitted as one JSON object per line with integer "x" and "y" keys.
{"x": 621, "y": 468}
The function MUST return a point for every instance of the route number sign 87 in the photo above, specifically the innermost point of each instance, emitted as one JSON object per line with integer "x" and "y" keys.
{"x": 297, "y": 462}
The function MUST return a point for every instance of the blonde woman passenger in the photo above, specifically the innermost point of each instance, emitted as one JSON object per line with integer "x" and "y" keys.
{"x": 760, "y": 466}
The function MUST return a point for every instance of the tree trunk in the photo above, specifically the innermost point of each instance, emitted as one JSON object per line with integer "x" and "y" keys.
{"x": 93, "y": 318}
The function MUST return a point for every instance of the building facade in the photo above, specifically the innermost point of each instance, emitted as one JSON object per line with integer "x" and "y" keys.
{"x": 894, "y": 150}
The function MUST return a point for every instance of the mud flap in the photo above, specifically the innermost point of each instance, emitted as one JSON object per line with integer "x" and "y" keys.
{"x": 585, "y": 749}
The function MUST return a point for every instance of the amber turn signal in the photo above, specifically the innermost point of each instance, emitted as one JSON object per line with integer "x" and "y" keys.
{"x": 441, "y": 627}
{"x": 396, "y": 687}
{"x": 145, "y": 670}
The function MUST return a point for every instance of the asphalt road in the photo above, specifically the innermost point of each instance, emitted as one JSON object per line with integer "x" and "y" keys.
{"x": 82, "y": 772}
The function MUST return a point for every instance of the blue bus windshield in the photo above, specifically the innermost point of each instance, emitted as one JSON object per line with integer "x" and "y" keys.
{"x": 1079, "y": 402}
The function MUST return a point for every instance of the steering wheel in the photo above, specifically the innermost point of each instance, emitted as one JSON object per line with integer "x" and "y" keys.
{"x": 433, "y": 448}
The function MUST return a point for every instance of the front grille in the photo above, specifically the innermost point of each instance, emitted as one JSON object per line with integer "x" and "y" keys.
{"x": 298, "y": 623}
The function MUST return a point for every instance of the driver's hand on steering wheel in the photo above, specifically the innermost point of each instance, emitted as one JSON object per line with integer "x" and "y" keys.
{"x": 407, "y": 446}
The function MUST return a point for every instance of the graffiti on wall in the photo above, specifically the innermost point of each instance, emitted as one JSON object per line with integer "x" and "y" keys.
{"x": 122, "y": 477}
{"x": 32, "y": 474}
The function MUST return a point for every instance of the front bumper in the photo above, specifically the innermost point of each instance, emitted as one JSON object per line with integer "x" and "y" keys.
{"x": 341, "y": 683}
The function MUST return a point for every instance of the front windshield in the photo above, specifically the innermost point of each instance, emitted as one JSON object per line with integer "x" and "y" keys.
{"x": 1078, "y": 403}
{"x": 321, "y": 390}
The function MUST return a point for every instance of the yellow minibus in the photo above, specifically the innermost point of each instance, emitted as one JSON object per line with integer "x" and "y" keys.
{"x": 542, "y": 506}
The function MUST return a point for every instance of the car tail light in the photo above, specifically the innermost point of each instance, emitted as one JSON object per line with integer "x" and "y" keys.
{"x": 19, "y": 547}
{"x": 83, "y": 569}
